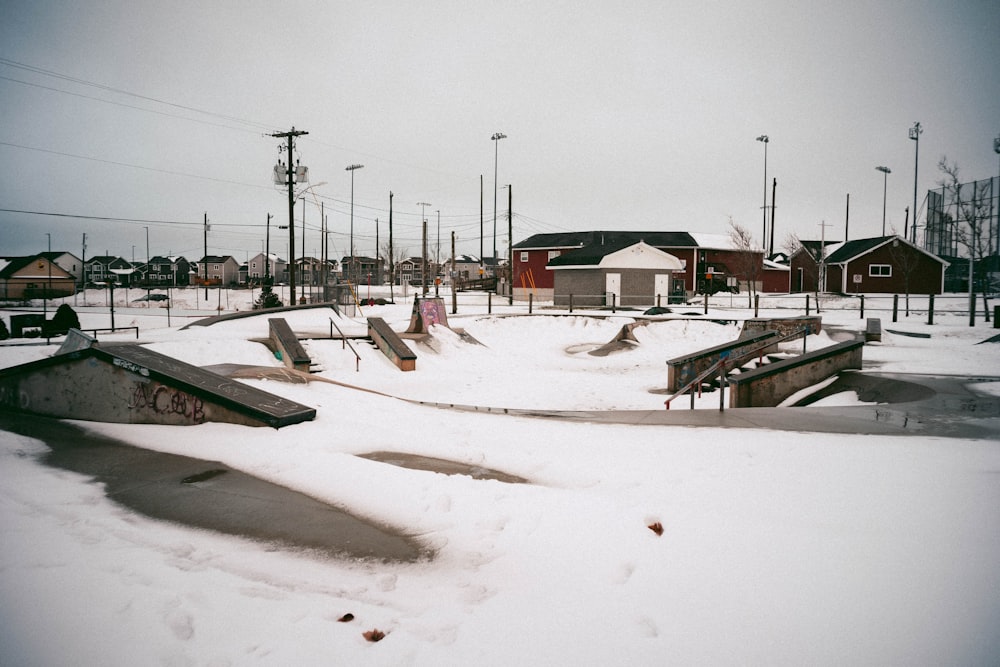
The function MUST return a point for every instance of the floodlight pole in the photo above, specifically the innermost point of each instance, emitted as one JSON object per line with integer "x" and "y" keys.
{"x": 885, "y": 183}
{"x": 915, "y": 133}
{"x": 497, "y": 136}
{"x": 352, "y": 168}
{"x": 765, "y": 140}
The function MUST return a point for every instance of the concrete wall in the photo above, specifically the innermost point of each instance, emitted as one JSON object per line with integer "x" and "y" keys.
{"x": 768, "y": 385}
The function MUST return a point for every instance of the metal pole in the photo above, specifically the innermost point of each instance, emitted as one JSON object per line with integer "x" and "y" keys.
{"x": 915, "y": 136}
{"x": 885, "y": 184}
{"x": 351, "y": 274}
{"x": 497, "y": 136}
{"x": 765, "y": 139}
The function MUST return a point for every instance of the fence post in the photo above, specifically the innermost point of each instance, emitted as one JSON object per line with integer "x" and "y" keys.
{"x": 614, "y": 302}
{"x": 489, "y": 303}
{"x": 862, "y": 306}
{"x": 756, "y": 304}
{"x": 706, "y": 304}
{"x": 895, "y": 307}
{"x": 571, "y": 302}
{"x": 657, "y": 300}
{"x": 807, "y": 305}
{"x": 930, "y": 310}
{"x": 996, "y": 317}
{"x": 531, "y": 303}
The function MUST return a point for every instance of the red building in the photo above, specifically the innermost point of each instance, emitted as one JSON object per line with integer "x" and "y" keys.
{"x": 706, "y": 258}
{"x": 880, "y": 265}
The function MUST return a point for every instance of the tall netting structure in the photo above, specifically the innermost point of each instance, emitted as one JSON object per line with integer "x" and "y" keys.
{"x": 948, "y": 210}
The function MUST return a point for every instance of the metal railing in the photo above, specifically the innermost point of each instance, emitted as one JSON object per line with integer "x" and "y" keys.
{"x": 345, "y": 344}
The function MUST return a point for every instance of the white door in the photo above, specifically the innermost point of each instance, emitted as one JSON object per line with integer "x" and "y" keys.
{"x": 613, "y": 286}
{"x": 661, "y": 288}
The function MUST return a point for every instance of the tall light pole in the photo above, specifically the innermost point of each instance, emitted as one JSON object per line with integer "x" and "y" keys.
{"x": 497, "y": 136}
{"x": 352, "y": 168}
{"x": 423, "y": 253}
{"x": 915, "y": 133}
{"x": 147, "y": 262}
{"x": 885, "y": 183}
{"x": 765, "y": 139}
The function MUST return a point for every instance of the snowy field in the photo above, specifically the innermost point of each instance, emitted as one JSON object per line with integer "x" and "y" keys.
{"x": 778, "y": 548}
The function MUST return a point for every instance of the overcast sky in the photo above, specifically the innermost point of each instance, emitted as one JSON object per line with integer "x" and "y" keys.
{"x": 618, "y": 115}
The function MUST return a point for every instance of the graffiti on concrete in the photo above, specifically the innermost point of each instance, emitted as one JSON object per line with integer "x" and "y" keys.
{"x": 163, "y": 400}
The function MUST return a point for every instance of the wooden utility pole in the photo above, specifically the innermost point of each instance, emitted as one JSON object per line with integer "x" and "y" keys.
{"x": 510, "y": 244}
{"x": 774, "y": 190}
{"x": 392, "y": 257}
{"x": 205, "y": 261}
{"x": 290, "y": 182}
{"x": 454, "y": 292}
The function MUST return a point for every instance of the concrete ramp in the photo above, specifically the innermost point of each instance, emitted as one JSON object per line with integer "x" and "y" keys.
{"x": 130, "y": 384}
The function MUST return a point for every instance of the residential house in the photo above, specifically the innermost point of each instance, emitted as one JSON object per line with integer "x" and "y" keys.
{"x": 34, "y": 277}
{"x": 101, "y": 269}
{"x": 262, "y": 264}
{"x": 68, "y": 262}
{"x": 878, "y": 265}
{"x": 217, "y": 270}
{"x": 164, "y": 271}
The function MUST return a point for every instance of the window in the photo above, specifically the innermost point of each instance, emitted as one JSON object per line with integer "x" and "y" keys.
{"x": 524, "y": 257}
{"x": 553, "y": 254}
{"x": 880, "y": 270}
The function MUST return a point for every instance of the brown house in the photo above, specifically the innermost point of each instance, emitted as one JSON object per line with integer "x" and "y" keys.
{"x": 34, "y": 277}
{"x": 880, "y": 265}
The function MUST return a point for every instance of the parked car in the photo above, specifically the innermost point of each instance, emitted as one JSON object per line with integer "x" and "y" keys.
{"x": 151, "y": 297}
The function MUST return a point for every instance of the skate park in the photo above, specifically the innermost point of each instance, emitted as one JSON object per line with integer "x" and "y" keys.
{"x": 900, "y": 405}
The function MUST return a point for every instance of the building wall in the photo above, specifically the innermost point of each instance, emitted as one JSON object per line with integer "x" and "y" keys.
{"x": 587, "y": 287}
{"x": 924, "y": 278}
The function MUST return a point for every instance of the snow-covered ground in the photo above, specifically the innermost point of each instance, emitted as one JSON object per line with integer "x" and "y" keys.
{"x": 777, "y": 547}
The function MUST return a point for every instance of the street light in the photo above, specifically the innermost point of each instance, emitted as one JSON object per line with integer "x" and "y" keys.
{"x": 915, "y": 133}
{"x": 765, "y": 139}
{"x": 497, "y": 136}
{"x": 885, "y": 182}
{"x": 352, "y": 168}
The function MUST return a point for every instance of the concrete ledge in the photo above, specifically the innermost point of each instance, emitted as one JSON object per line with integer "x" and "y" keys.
{"x": 391, "y": 344}
{"x": 783, "y": 325}
{"x": 873, "y": 330}
{"x": 130, "y": 384}
{"x": 293, "y": 355}
{"x": 681, "y": 370}
{"x": 768, "y": 385}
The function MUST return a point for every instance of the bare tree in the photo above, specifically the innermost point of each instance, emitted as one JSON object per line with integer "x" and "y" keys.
{"x": 811, "y": 269}
{"x": 748, "y": 257}
{"x": 972, "y": 208}
{"x": 906, "y": 261}
{"x": 394, "y": 258}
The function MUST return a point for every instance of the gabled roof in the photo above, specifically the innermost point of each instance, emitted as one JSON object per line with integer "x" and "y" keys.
{"x": 854, "y": 249}
{"x": 15, "y": 264}
{"x": 637, "y": 255}
{"x": 617, "y": 238}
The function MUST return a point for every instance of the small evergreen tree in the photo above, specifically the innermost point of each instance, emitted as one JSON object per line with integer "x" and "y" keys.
{"x": 267, "y": 298}
{"x": 64, "y": 320}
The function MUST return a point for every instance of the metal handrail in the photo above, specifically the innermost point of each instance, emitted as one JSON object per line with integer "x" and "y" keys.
{"x": 346, "y": 343}
{"x": 720, "y": 365}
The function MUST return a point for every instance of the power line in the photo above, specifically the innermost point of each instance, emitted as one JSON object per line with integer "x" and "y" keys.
{"x": 132, "y": 166}
{"x": 100, "y": 86}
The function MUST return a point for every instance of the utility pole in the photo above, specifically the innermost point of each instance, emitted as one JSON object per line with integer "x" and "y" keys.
{"x": 267, "y": 251}
{"x": 392, "y": 257}
{"x": 915, "y": 133}
{"x": 205, "y": 261}
{"x": 290, "y": 182}
{"x": 83, "y": 267}
{"x": 510, "y": 243}
{"x": 847, "y": 217}
{"x": 454, "y": 292}
{"x": 302, "y": 286}
{"x": 352, "y": 168}
{"x": 774, "y": 191}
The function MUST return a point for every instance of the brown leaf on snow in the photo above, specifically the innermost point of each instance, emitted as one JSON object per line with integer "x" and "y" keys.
{"x": 656, "y": 528}
{"x": 346, "y": 618}
{"x": 374, "y": 635}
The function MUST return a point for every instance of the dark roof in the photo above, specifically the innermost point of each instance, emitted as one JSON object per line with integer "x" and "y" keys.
{"x": 15, "y": 264}
{"x": 598, "y": 238}
{"x": 852, "y": 249}
{"x": 590, "y": 255}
